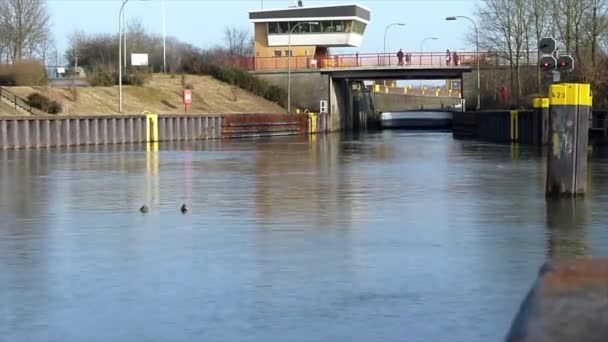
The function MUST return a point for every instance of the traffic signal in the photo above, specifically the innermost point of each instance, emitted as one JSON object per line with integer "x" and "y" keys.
{"x": 565, "y": 63}
{"x": 547, "y": 63}
{"x": 547, "y": 45}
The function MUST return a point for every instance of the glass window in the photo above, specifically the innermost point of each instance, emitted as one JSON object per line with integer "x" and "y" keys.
{"x": 273, "y": 28}
{"x": 284, "y": 27}
{"x": 288, "y": 53}
{"x": 304, "y": 28}
{"x": 316, "y": 28}
{"x": 327, "y": 26}
{"x": 358, "y": 27}
{"x": 348, "y": 26}
{"x": 338, "y": 25}
{"x": 277, "y": 53}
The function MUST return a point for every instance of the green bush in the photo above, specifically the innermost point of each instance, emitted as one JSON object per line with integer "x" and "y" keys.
{"x": 23, "y": 74}
{"x": 102, "y": 78}
{"x": 43, "y": 103}
{"x": 54, "y": 108}
{"x": 244, "y": 80}
{"x": 136, "y": 78}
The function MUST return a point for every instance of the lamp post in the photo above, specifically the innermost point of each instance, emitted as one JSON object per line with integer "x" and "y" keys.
{"x": 385, "y": 32}
{"x": 164, "y": 37}
{"x": 422, "y": 51}
{"x": 314, "y": 23}
{"x": 120, "y": 19}
{"x": 476, "y": 54}
{"x": 422, "y": 46}
{"x": 121, "y": 24}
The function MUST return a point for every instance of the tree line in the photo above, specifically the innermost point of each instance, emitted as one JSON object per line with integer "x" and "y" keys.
{"x": 512, "y": 29}
{"x": 101, "y": 50}
{"x": 24, "y": 31}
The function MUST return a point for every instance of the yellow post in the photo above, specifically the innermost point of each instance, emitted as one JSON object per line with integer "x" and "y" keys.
{"x": 541, "y": 111}
{"x": 376, "y": 88}
{"x": 312, "y": 123}
{"x": 569, "y": 110}
{"x": 151, "y": 127}
{"x": 514, "y": 126}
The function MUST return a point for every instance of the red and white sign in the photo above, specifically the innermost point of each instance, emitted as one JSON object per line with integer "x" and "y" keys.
{"x": 187, "y": 96}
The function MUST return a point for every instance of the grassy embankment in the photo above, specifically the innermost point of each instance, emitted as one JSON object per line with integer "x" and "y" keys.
{"x": 161, "y": 95}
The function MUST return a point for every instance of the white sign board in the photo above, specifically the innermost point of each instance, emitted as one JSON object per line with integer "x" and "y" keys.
{"x": 323, "y": 107}
{"x": 61, "y": 70}
{"x": 139, "y": 59}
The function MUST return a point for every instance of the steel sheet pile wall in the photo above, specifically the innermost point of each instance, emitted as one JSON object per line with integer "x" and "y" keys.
{"x": 502, "y": 126}
{"x": 38, "y": 132}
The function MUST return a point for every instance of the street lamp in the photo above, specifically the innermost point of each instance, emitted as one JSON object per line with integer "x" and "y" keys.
{"x": 422, "y": 51}
{"x": 164, "y": 37}
{"x": 121, "y": 19}
{"x": 385, "y": 32}
{"x": 312, "y": 23}
{"x": 422, "y": 46}
{"x": 476, "y": 53}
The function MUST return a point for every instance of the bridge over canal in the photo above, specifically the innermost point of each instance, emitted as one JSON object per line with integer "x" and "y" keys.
{"x": 338, "y": 79}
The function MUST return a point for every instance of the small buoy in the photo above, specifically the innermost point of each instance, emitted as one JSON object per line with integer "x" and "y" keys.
{"x": 184, "y": 209}
{"x": 143, "y": 209}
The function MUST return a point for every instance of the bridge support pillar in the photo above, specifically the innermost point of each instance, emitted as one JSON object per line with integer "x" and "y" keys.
{"x": 569, "y": 108}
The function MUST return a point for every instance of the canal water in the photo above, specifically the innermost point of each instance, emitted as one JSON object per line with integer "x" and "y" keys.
{"x": 391, "y": 236}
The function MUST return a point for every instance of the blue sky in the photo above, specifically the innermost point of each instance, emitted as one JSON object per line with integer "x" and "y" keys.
{"x": 201, "y": 22}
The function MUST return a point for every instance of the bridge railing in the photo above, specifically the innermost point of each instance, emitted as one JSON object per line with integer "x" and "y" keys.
{"x": 373, "y": 60}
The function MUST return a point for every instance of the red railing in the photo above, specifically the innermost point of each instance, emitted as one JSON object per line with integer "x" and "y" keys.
{"x": 425, "y": 59}
{"x": 369, "y": 60}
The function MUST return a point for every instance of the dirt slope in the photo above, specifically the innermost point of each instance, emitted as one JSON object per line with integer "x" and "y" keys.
{"x": 161, "y": 95}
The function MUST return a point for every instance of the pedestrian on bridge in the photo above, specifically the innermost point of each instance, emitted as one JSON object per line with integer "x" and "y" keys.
{"x": 448, "y": 57}
{"x": 456, "y": 59}
{"x": 400, "y": 57}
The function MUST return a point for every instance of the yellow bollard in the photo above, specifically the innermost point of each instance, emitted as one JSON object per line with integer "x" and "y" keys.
{"x": 569, "y": 111}
{"x": 312, "y": 123}
{"x": 151, "y": 127}
{"x": 514, "y": 124}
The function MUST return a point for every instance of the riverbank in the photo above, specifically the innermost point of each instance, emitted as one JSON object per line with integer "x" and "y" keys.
{"x": 161, "y": 95}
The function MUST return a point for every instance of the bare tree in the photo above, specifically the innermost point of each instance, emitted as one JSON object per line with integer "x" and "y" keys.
{"x": 239, "y": 43}
{"x": 596, "y": 25}
{"x": 540, "y": 22}
{"x": 23, "y": 24}
{"x": 504, "y": 28}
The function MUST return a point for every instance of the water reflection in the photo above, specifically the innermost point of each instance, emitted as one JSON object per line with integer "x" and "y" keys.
{"x": 358, "y": 238}
{"x": 567, "y": 227}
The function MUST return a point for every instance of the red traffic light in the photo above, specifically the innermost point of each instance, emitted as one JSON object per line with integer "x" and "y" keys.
{"x": 547, "y": 63}
{"x": 565, "y": 63}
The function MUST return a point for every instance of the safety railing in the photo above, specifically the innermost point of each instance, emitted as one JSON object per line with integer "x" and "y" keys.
{"x": 375, "y": 60}
{"x": 18, "y": 102}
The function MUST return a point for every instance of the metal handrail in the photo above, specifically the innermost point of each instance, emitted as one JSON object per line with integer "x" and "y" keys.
{"x": 19, "y": 101}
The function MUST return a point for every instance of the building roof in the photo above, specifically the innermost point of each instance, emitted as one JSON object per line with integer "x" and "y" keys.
{"x": 318, "y": 12}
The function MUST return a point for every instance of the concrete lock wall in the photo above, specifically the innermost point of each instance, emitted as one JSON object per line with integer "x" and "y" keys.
{"x": 307, "y": 88}
{"x": 350, "y": 109}
{"x": 397, "y": 102}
